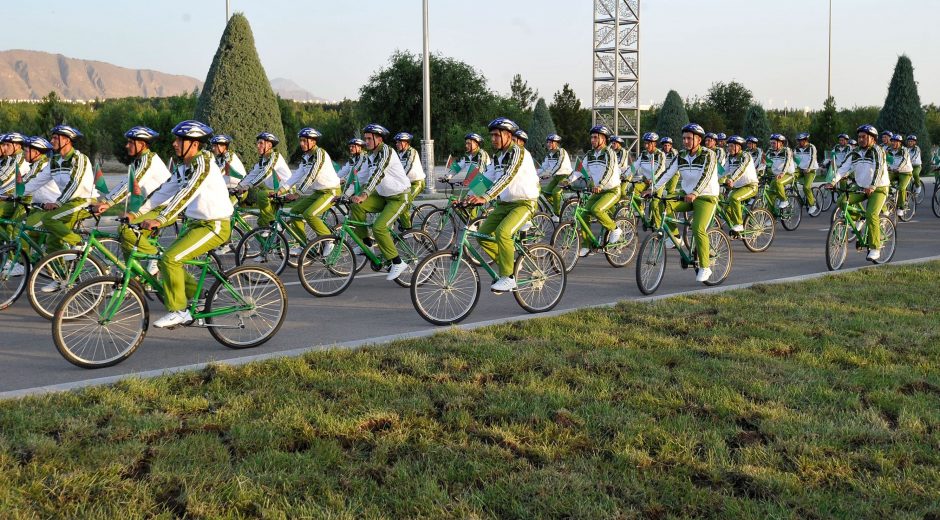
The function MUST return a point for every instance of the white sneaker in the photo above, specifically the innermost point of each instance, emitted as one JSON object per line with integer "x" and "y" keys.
{"x": 396, "y": 271}
{"x": 153, "y": 268}
{"x": 294, "y": 251}
{"x": 783, "y": 204}
{"x": 51, "y": 287}
{"x": 615, "y": 236}
{"x": 527, "y": 226}
{"x": 703, "y": 275}
{"x": 327, "y": 249}
{"x": 358, "y": 251}
{"x": 918, "y": 189}
{"x": 583, "y": 252}
{"x": 814, "y": 211}
{"x": 874, "y": 254}
{"x": 504, "y": 284}
{"x": 224, "y": 249}
{"x": 669, "y": 243}
{"x": 555, "y": 219}
{"x": 16, "y": 270}
{"x": 900, "y": 212}
{"x": 738, "y": 228}
{"x": 173, "y": 319}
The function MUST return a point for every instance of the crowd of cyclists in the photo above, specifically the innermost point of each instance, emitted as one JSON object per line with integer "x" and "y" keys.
{"x": 51, "y": 185}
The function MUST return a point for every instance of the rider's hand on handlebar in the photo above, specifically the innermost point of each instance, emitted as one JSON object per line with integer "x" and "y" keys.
{"x": 475, "y": 200}
{"x": 647, "y": 194}
{"x": 150, "y": 224}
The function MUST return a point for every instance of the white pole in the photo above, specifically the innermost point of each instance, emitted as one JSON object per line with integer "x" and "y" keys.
{"x": 829, "y": 80}
{"x": 427, "y": 143}
{"x": 228, "y": 10}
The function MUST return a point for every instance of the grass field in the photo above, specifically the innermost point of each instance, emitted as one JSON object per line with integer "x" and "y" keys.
{"x": 811, "y": 400}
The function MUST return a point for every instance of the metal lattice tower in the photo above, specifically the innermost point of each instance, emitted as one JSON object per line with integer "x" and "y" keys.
{"x": 616, "y": 93}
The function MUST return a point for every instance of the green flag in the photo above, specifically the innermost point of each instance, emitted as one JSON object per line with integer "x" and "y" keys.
{"x": 100, "y": 183}
{"x": 890, "y": 159}
{"x": 232, "y": 172}
{"x": 135, "y": 196}
{"x": 480, "y": 184}
{"x": 20, "y": 185}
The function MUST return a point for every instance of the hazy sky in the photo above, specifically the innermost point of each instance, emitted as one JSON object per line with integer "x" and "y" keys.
{"x": 776, "y": 49}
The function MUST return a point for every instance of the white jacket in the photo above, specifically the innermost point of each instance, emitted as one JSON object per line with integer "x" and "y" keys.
{"x": 149, "y": 173}
{"x": 9, "y": 169}
{"x": 315, "y": 173}
{"x": 698, "y": 174}
{"x": 230, "y": 161}
{"x": 411, "y": 163}
{"x": 264, "y": 171}
{"x": 603, "y": 167}
{"x": 898, "y": 161}
{"x": 386, "y": 174}
{"x": 740, "y": 170}
{"x": 781, "y": 160}
{"x": 650, "y": 165}
{"x": 513, "y": 175}
{"x": 805, "y": 158}
{"x": 71, "y": 174}
{"x": 198, "y": 191}
{"x": 868, "y": 165}
{"x": 916, "y": 159}
{"x": 556, "y": 163}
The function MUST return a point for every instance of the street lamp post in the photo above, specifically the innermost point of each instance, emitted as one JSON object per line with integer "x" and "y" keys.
{"x": 427, "y": 144}
{"x": 829, "y": 75}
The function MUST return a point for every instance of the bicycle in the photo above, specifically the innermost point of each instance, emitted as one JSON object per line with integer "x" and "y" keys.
{"x": 567, "y": 239}
{"x": 891, "y": 204}
{"x": 651, "y": 262}
{"x": 935, "y": 198}
{"x": 273, "y": 243}
{"x": 846, "y": 225}
{"x": 759, "y": 226}
{"x": 327, "y": 265}
{"x": 103, "y": 320}
{"x": 790, "y": 216}
{"x": 445, "y": 286}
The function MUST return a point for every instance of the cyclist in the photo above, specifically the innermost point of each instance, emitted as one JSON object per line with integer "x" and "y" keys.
{"x": 411, "y": 162}
{"x": 780, "y": 160}
{"x": 265, "y": 177}
{"x": 623, "y": 161}
{"x": 698, "y": 168}
{"x": 520, "y": 137}
{"x": 899, "y": 169}
{"x": 711, "y": 142}
{"x": 917, "y": 162}
{"x": 196, "y": 189}
{"x": 556, "y": 167}
{"x": 386, "y": 193}
{"x": 34, "y": 159}
{"x": 867, "y": 164}
{"x": 516, "y": 184}
{"x": 723, "y": 142}
{"x": 316, "y": 181}
{"x": 886, "y": 136}
{"x": 14, "y": 161}
{"x": 148, "y": 169}
{"x": 757, "y": 155}
{"x": 604, "y": 183}
{"x": 671, "y": 154}
{"x": 227, "y": 160}
{"x": 649, "y": 167}
{"x": 354, "y": 173}
{"x": 741, "y": 179}
{"x": 475, "y": 160}
{"x": 805, "y": 158}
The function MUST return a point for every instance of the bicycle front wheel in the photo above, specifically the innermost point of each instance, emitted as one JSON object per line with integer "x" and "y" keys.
{"x": 910, "y": 207}
{"x": 412, "y": 248}
{"x": 326, "y": 266}
{"x": 935, "y": 202}
{"x": 759, "y": 230}
{"x": 263, "y": 247}
{"x": 541, "y": 229}
{"x": 82, "y": 335}
{"x": 791, "y": 216}
{"x": 621, "y": 253}
{"x": 651, "y": 263}
{"x": 445, "y": 290}
{"x": 720, "y": 256}
{"x": 14, "y": 270}
{"x": 55, "y": 275}
{"x": 252, "y": 286}
{"x": 567, "y": 241}
{"x": 837, "y": 244}
{"x": 889, "y": 240}
{"x": 439, "y": 225}
{"x": 540, "y": 278}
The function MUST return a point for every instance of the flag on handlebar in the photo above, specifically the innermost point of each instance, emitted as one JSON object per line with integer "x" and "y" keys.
{"x": 452, "y": 165}
{"x": 232, "y": 172}
{"x": 100, "y": 183}
{"x": 472, "y": 174}
{"x": 583, "y": 169}
{"x": 480, "y": 184}
{"x": 20, "y": 185}
{"x": 135, "y": 196}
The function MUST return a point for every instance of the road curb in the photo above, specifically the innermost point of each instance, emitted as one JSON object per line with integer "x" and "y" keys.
{"x": 378, "y": 340}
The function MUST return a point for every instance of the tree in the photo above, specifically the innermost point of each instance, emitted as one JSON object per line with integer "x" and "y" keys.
{"x": 460, "y": 100}
{"x": 571, "y": 121}
{"x": 542, "y": 125}
{"x": 521, "y": 94}
{"x": 755, "y": 124}
{"x": 52, "y": 111}
{"x": 902, "y": 112}
{"x": 672, "y": 117}
{"x": 826, "y": 126}
{"x": 237, "y": 98}
{"x": 731, "y": 100}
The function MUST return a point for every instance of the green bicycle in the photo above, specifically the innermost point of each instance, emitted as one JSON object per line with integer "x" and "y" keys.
{"x": 327, "y": 265}
{"x": 790, "y": 216}
{"x": 445, "y": 286}
{"x": 102, "y": 321}
{"x": 651, "y": 262}
{"x": 276, "y": 245}
{"x": 568, "y": 236}
{"x": 759, "y": 226}
{"x": 850, "y": 223}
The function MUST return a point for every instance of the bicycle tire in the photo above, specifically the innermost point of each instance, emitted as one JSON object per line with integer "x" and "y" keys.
{"x": 721, "y": 257}
{"x": 412, "y": 248}
{"x": 58, "y": 267}
{"x": 540, "y": 278}
{"x": 435, "y": 293}
{"x": 622, "y": 253}
{"x": 791, "y": 216}
{"x": 440, "y": 226}
{"x": 837, "y": 244}
{"x": 270, "y": 250}
{"x": 567, "y": 241}
{"x": 330, "y": 276}
{"x": 651, "y": 263}
{"x": 759, "y": 230}
{"x": 889, "y": 238}
{"x": 264, "y": 290}
{"x": 12, "y": 287}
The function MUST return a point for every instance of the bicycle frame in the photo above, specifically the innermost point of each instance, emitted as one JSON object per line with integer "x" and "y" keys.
{"x": 463, "y": 243}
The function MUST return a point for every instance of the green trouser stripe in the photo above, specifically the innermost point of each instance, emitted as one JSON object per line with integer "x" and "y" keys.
{"x": 807, "y": 180}
{"x": 388, "y": 209}
{"x": 553, "y": 193}
{"x": 703, "y": 210}
{"x": 60, "y": 223}
{"x": 258, "y": 198}
{"x": 916, "y": 175}
{"x": 779, "y": 192}
{"x": 311, "y": 208}
{"x": 503, "y": 223}
{"x": 405, "y": 218}
{"x": 735, "y": 203}
{"x": 599, "y": 206}
{"x": 200, "y": 237}
{"x": 876, "y": 202}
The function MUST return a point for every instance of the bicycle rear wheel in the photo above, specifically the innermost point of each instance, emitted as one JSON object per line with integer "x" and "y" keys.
{"x": 720, "y": 255}
{"x": 759, "y": 230}
{"x": 445, "y": 290}
{"x": 935, "y": 201}
{"x": 567, "y": 241}
{"x": 255, "y": 286}
{"x": 620, "y": 254}
{"x": 823, "y": 198}
{"x": 567, "y": 210}
{"x": 330, "y": 274}
{"x": 651, "y": 263}
{"x": 439, "y": 225}
{"x": 84, "y": 339}
{"x": 412, "y": 248}
{"x": 265, "y": 248}
{"x": 540, "y": 278}
{"x": 14, "y": 270}
{"x": 420, "y": 213}
{"x": 909, "y": 209}
{"x": 541, "y": 229}
{"x": 889, "y": 238}
{"x": 55, "y": 275}
{"x": 837, "y": 244}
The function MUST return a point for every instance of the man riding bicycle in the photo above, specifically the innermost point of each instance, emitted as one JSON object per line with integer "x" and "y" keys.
{"x": 741, "y": 179}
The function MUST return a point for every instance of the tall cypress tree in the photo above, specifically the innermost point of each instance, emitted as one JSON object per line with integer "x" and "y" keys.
{"x": 902, "y": 112}
{"x": 672, "y": 117}
{"x": 237, "y": 98}
{"x": 756, "y": 124}
{"x": 541, "y": 126}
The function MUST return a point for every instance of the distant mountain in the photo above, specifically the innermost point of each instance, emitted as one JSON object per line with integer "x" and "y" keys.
{"x": 287, "y": 89}
{"x": 33, "y": 74}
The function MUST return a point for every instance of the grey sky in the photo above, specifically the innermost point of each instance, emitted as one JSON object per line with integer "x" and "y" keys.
{"x": 777, "y": 49}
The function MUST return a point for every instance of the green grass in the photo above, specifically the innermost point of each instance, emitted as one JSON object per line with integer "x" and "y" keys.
{"x": 811, "y": 400}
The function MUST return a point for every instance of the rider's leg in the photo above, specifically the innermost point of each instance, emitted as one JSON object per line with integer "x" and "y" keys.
{"x": 201, "y": 237}
{"x": 807, "y": 180}
{"x": 390, "y": 212}
{"x": 312, "y": 207}
{"x": 904, "y": 180}
{"x": 258, "y": 198}
{"x": 129, "y": 238}
{"x": 736, "y": 200}
{"x": 553, "y": 193}
{"x": 503, "y": 223}
{"x": 405, "y": 218}
{"x": 599, "y": 206}
{"x": 61, "y": 221}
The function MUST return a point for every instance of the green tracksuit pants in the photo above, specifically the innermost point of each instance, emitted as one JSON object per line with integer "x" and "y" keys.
{"x": 552, "y": 193}
{"x": 736, "y": 199}
{"x": 311, "y": 208}
{"x": 200, "y": 237}
{"x": 61, "y": 221}
{"x": 405, "y": 218}
{"x": 599, "y": 206}
{"x": 503, "y": 223}
{"x": 388, "y": 209}
{"x": 806, "y": 179}
{"x": 876, "y": 202}
{"x": 703, "y": 210}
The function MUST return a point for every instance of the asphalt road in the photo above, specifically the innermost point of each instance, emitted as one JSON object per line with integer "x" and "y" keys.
{"x": 373, "y": 308}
